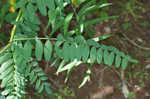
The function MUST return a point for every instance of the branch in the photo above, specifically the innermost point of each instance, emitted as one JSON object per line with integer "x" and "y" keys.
{"x": 12, "y": 33}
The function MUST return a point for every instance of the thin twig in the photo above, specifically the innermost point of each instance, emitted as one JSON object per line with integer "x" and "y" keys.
{"x": 121, "y": 78}
{"x": 135, "y": 44}
{"x": 12, "y": 33}
{"x": 6, "y": 47}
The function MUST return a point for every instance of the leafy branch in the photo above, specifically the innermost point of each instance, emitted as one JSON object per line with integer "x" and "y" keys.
{"x": 18, "y": 65}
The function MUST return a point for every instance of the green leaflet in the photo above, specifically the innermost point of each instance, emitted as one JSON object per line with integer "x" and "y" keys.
{"x": 33, "y": 77}
{"x": 124, "y": 64}
{"x": 52, "y": 15}
{"x": 6, "y": 92}
{"x": 5, "y": 57}
{"x": 48, "y": 50}
{"x": 37, "y": 69}
{"x": 111, "y": 59}
{"x": 85, "y": 53}
{"x": 37, "y": 85}
{"x": 6, "y": 72}
{"x": 47, "y": 89}
{"x": 93, "y": 55}
{"x": 81, "y": 50}
{"x": 57, "y": 49}
{"x": 42, "y": 7}
{"x": 80, "y": 13}
{"x": 41, "y": 74}
{"x": 27, "y": 70}
{"x": 66, "y": 23}
{"x": 43, "y": 78}
{"x": 27, "y": 50}
{"x": 78, "y": 52}
{"x": 33, "y": 19}
{"x": 56, "y": 25}
{"x": 118, "y": 61}
{"x": 40, "y": 89}
{"x": 60, "y": 67}
{"x": 26, "y": 28}
{"x": 5, "y": 65}
{"x": 108, "y": 58}
{"x": 6, "y": 80}
{"x": 71, "y": 50}
{"x": 99, "y": 55}
{"x": 106, "y": 54}
{"x": 34, "y": 27}
{"x": 39, "y": 50}
{"x": 68, "y": 74}
{"x": 65, "y": 53}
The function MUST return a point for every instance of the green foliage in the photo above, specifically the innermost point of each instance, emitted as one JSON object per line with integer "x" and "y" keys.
{"x": 12, "y": 73}
{"x": 38, "y": 77}
{"x": 19, "y": 59}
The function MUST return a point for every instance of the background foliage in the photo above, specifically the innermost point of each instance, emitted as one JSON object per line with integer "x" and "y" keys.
{"x": 65, "y": 40}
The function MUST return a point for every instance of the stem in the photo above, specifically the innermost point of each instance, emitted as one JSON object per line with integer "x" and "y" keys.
{"x": 1, "y": 51}
{"x": 12, "y": 33}
{"x": 23, "y": 39}
{"x": 14, "y": 28}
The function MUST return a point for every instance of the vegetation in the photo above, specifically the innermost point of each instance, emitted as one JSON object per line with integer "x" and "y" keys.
{"x": 57, "y": 33}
